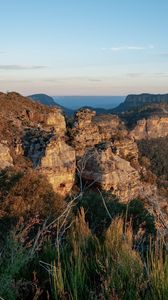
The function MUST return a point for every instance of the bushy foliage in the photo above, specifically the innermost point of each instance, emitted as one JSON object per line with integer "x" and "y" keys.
{"x": 27, "y": 194}
{"x": 99, "y": 214}
{"x": 96, "y": 213}
{"x": 93, "y": 254}
{"x": 156, "y": 151}
{"x": 8, "y": 179}
{"x": 13, "y": 258}
{"x": 31, "y": 194}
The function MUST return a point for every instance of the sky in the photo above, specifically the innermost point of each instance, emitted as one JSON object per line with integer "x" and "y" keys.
{"x": 84, "y": 47}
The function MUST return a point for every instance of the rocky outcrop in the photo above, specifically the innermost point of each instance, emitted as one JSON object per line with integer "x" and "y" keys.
{"x": 109, "y": 126}
{"x": 37, "y": 133}
{"x": 84, "y": 133}
{"x": 89, "y": 129}
{"x": 126, "y": 148}
{"x": 107, "y": 152}
{"x": 56, "y": 120}
{"x": 52, "y": 157}
{"x": 5, "y": 157}
{"x": 111, "y": 172}
{"x": 59, "y": 166}
{"x": 18, "y": 113}
{"x": 151, "y": 128}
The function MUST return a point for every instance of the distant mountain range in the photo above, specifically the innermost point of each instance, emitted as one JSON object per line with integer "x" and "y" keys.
{"x": 137, "y": 101}
{"x": 47, "y": 100}
{"x": 76, "y": 102}
{"x": 50, "y": 101}
{"x": 139, "y": 106}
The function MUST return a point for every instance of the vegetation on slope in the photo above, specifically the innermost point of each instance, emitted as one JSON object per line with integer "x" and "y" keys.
{"x": 96, "y": 248}
{"x": 156, "y": 151}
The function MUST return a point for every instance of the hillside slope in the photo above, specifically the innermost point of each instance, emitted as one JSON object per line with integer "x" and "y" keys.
{"x": 47, "y": 100}
{"x": 133, "y": 102}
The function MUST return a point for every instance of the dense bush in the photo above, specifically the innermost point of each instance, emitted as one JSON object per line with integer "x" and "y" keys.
{"x": 100, "y": 211}
{"x": 91, "y": 253}
{"x": 156, "y": 151}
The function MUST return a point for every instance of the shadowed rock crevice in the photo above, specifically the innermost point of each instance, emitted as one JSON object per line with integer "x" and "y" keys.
{"x": 35, "y": 142}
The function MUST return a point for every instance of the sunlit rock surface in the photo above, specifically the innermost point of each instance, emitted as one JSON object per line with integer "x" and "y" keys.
{"x": 5, "y": 157}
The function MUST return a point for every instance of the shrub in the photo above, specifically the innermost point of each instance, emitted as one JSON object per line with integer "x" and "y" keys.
{"x": 13, "y": 258}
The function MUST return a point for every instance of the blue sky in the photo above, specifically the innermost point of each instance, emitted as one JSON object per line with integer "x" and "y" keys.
{"x": 84, "y": 47}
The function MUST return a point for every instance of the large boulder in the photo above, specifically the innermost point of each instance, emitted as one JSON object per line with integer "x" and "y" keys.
{"x": 111, "y": 172}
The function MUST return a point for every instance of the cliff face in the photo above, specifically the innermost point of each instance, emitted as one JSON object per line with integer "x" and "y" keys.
{"x": 34, "y": 137}
{"x": 84, "y": 133}
{"x": 37, "y": 133}
{"x": 52, "y": 157}
{"x": 56, "y": 120}
{"x": 18, "y": 113}
{"x": 59, "y": 166}
{"x": 109, "y": 154}
{"x": 133, "y": 102}
{"x": 154, "y": 127}
{"x": 111, "y": 172}
{"x": 89, "y": 129}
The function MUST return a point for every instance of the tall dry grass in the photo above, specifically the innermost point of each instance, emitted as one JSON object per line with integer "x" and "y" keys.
{"x": 89, "y": 268}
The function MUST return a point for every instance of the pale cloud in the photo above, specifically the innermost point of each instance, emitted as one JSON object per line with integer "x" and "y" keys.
{"x": 147, "y": 75}
{"x": 135, "y": 75}
{"x": 129, "y": 48}
{"x": 73, "y": 78}
{"x": 164, "y": 54}
{"x": 94, "y": 80}
{"x": 20, "y": 67}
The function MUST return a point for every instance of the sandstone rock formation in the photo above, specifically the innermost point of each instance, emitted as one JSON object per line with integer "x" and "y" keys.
{"x": 37, "y": 133}
{"x": 59, "y": 166}
{"x": 111, "y": 172}
{"x": 52, "y": 157}
{"x": 56, "y": 120}
{"x": 111, "y": 155}
{"x": 5, "y": 157}
{"x": 34, "y": 136}
{"x": 18, "y": 113}
{"x": 89, "y": 129}
{"x": 84, "y": 133}
{"x": 126, "y": 148}
{"x": 153, "y": 127}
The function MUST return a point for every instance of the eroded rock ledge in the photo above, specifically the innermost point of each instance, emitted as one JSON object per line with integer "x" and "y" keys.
{"x": 38, "y": 134}
{"x": 154, "y": 127}
{"x": 89, "y": 129}
{"x": 52, "y": 157}
{"x": 111, "y": 172}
